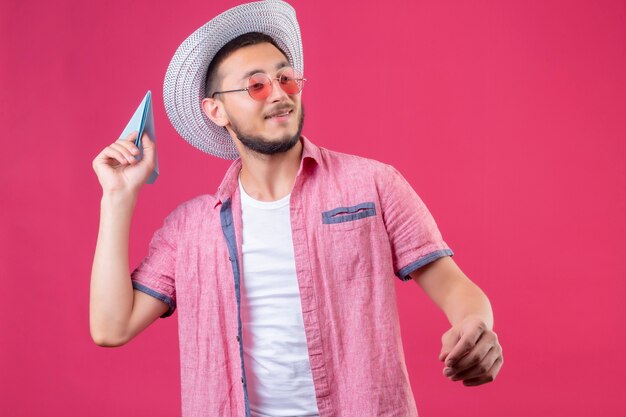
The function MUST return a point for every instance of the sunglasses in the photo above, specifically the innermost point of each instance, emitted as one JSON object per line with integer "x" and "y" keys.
{"x": 260, "y": 84}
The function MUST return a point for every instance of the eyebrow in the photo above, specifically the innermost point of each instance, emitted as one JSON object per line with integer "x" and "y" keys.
{"x": 254, "y": 71}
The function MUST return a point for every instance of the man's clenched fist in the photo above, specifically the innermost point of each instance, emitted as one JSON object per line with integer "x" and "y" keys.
{"x": 471, "y": 353}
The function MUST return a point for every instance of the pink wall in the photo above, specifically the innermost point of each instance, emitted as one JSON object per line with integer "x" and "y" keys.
{"x": 508, "y": 118}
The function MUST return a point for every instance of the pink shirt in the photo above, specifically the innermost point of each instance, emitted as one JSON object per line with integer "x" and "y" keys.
{"x": 357, "y": 225}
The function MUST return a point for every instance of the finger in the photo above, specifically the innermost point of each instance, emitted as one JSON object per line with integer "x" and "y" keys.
{"x": 489, "y": 377}
{"x": 484, "y": 345}
{"x": 464, "y": 345}
{"x": 109, "y": 154}
{"x": 147, "y": 142}
{"x": 480, "y": 368}
{"x": 131, "y": 137}
{"x": 130, "y": 145}
{"x": 124, "y": 151}
{"x": 145, "y": 137}
{"x": 124, "y": 147}
{"x": 149, "y": 150}
{"x": 448, "y": 341}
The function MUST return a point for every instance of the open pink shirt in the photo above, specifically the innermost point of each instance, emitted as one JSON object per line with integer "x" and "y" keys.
{"x": 356, "y": 225}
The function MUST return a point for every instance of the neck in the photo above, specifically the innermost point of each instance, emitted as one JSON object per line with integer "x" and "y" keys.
{"x": 270, "y": 177}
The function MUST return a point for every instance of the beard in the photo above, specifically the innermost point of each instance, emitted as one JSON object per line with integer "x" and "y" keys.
{"x": 263, "y": 146}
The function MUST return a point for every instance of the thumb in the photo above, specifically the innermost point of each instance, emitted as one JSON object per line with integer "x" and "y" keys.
{"x": 148, "y": 146}
{"x": 146, "y": 141}
{"x": 448, "y": 341}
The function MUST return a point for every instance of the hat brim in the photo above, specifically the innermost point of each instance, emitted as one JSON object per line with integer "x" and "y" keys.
{"x": 184, "y": 84}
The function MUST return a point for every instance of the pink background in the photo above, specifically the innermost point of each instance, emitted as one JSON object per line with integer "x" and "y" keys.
{"x": 507, "y": 117}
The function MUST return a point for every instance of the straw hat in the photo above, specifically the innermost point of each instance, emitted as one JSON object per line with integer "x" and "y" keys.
{"x": 184, "y": 84}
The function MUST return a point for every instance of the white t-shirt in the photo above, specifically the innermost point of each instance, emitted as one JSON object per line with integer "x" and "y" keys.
{"x": 276, "y": 356}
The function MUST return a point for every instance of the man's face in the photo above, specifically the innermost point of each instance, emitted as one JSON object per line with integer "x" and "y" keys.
{"x": 249, "y": 119}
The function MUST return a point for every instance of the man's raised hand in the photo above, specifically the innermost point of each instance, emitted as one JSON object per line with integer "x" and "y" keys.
{"x": 118, "y": 170}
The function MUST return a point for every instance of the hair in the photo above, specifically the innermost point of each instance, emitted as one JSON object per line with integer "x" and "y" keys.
{"x": 212, "y": 82}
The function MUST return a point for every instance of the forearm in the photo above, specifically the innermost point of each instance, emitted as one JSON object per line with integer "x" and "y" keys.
{"x": 466, "y": 300}
{"x": 469, "y": 311}
{"x": 453, "y": 292}
{"x": 111, "y": 292}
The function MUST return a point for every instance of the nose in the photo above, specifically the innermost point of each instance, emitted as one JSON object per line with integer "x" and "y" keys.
{"x": 277, "y": 93}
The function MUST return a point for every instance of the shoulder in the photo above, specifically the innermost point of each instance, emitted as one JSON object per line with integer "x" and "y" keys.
{"x": 350, "y": 164}
{"x": 359, "y": 171}
{"x": 196, "y": 203}
{"x": 192, "y": 209}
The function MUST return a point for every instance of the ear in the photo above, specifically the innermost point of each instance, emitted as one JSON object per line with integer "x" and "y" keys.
{"x": 214, "y": 110}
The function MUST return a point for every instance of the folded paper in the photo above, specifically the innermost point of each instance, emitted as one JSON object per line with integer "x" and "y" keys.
{"x": 143, "y": 121}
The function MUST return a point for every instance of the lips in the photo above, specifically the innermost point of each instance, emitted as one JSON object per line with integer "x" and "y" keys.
{"x": 280, "y": 113}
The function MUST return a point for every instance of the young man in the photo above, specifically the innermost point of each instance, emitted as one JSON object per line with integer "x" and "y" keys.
{"x": 283, "y": 279}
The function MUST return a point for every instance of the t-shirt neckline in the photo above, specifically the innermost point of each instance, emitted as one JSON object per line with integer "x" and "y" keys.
{"x": 248, "y": 200}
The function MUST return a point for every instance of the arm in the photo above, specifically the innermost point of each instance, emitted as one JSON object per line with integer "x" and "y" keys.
{"x": 453, "y": 292}
{"x": 471, "y": 350}
{"x": 117, "y": 312}
{"x": 470, "y": 344}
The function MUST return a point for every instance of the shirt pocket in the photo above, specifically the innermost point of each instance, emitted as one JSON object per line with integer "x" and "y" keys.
{"x": 348, "y": 234}
{"x": 345, "y": 218}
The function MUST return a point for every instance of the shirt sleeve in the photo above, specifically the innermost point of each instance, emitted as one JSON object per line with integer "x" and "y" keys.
{"x": 156, "y": 272}
{"x": 413, "y": 234}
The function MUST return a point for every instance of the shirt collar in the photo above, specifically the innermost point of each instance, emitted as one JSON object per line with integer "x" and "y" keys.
{"x": 229, "y": 184}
